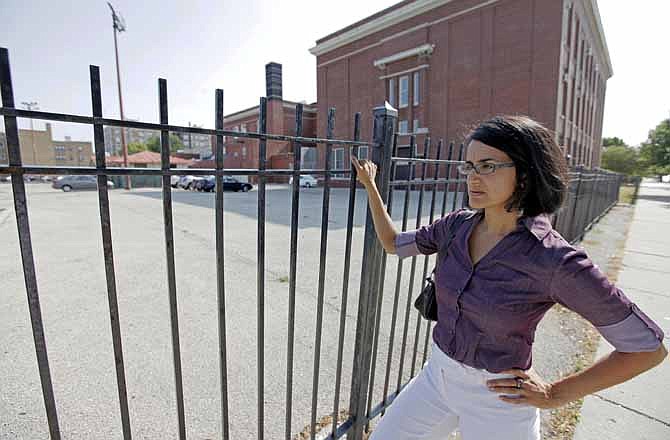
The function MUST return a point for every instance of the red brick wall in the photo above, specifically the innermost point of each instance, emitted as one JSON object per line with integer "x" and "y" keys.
{"x": 500, "y": 58}
{"x": 243, "y": 152}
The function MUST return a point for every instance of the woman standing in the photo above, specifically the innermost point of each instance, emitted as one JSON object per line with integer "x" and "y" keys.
{"x": 504, "y": 269}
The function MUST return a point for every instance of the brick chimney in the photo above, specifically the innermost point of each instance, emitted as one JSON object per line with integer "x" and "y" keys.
{"x": 273, "y": 81}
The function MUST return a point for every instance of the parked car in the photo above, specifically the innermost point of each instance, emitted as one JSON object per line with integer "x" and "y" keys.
{"x": 306, "y": 181}
{"x": 196, "y": 184}
{"x": 174, "y": 180}
{"x": 6, "y": 178}
{"x": 69, "y": 183}
{"x": 232, "y": 184}
{"x": 185, "y": 182}
{"x": 229, "y": 184}
{"x": 207, "y": 184}
{"x": 203, "y": 183}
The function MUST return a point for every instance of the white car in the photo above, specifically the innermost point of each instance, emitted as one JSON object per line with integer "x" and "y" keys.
{"x": 174, "y": 180}
{"x": 186, "y": 182}
{"x": 306, "y": 181}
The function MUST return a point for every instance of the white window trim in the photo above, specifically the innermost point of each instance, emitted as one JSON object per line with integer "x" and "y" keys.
{"x": 424, "y": 49}
{"x": 367, "y": 152}
{"x": 400, "y": 80}
{"x": 335, "y": 167}
{"x": 392, "y": 91}
{"x": 404, "y": 72}
{"x": 416, "y": 89}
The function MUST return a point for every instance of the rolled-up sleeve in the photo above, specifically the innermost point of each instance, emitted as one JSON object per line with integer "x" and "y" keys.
{"x": 425, "y": 240}
{"x": 580, "y": 285}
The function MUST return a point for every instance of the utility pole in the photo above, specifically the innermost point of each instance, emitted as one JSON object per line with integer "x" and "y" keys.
{"x": 119, "y": 25}
{"x": 32, "y": 105}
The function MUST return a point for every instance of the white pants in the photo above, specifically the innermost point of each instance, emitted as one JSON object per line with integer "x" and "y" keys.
{"x": 447, "y": 395}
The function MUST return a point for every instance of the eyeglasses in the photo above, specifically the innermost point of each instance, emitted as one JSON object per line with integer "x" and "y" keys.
{"x": 483, "y": 169}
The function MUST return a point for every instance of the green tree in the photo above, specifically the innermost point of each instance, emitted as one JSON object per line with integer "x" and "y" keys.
{"x": 136, "y": 147}
{"x": 655, "y": 152}
{"x": 621, "y": 158}
{"x": 154, "y": 144}
{"x": 611, "y": 141}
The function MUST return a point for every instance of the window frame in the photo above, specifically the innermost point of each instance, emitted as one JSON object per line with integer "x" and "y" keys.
{"x": 403, "y": 79}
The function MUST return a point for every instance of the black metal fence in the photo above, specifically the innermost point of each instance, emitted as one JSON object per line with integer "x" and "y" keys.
{"x": 387, "y": 330}
{"x": 592, "y": 193}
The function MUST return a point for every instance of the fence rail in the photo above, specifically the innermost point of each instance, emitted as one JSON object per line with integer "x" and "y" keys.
{"x": 591, "y": 194}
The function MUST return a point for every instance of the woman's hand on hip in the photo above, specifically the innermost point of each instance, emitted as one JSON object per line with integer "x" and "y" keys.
{"x": 527, "y": 388}
{"x": 365, "y": 171}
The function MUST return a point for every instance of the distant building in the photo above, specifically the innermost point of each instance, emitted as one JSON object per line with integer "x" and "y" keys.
{"x": 196, "y": 144}
{"x": 243, "y": 153}
{"x": 133, "y": 135}
{"x": 39, "y": 148}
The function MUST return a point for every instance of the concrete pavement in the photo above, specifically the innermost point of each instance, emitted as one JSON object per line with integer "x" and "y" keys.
{"x": 639, "y": 408}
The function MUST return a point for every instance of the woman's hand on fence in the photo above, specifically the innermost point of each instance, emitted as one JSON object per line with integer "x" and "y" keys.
{"x": 365, "y": 171}
{"x": 527, "y": 388}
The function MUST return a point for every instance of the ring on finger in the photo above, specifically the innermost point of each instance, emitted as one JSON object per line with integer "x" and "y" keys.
{"x": 519, "y": 383}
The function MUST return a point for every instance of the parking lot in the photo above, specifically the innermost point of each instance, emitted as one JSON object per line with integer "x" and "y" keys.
{"x": 67, "y": 246}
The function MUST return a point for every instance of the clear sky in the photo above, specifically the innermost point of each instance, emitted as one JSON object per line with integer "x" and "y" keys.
{"x": 201, "y": 45}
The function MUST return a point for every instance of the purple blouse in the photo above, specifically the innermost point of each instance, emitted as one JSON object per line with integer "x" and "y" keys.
{"x": 488, "y": 313}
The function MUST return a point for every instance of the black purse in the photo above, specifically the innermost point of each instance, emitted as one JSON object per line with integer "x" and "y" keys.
{"x": 426, "y": 302}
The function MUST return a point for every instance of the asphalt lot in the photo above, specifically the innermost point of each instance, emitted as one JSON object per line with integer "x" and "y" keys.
{"x": 67, "y": 245}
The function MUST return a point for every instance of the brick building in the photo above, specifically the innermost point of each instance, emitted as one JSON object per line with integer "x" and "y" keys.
{"x": 445, "y": 64}
{"x": 38, "y": 147}
{"x": 243, "y": 153}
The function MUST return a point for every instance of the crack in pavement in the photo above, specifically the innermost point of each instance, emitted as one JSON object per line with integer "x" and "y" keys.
{"x": 613, "y": 402}
{"x": 649, "y": 292}
{"x": 632, "y": 251}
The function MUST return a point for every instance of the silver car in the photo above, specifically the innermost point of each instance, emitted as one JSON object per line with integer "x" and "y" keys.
{"x": 68, "y": 183}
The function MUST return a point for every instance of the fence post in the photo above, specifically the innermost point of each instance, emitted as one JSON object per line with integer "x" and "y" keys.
{"x": 384, "y": 123}
{"x": 575, "y": 206}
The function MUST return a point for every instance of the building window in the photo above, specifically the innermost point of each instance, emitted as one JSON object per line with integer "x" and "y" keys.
{"x": 363, "y": 152}
{"x": 402, "y": 127}
{"x": 404, "y": 91}
{"x": 243, "y": 128}
{"x": 59, "y": 152}
{"x": 309, "y": 158}
{"x": 338, "y": 154}
{"x": 392, "y": 92}
{"x": 415, "y": 126}
{"x": 244, "y": 151}
{"x": 416, "y": 88}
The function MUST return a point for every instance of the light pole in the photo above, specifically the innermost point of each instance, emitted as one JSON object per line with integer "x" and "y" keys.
{"x": 190, "y": 146}
{"x": 119, "y": 25}
{"x": 32, "y": 105}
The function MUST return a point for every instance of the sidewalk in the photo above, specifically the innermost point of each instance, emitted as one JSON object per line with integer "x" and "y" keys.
{"x": 638, "y": 409}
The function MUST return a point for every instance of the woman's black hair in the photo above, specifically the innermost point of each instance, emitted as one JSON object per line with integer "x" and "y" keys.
{"x": 541, "y": 170}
